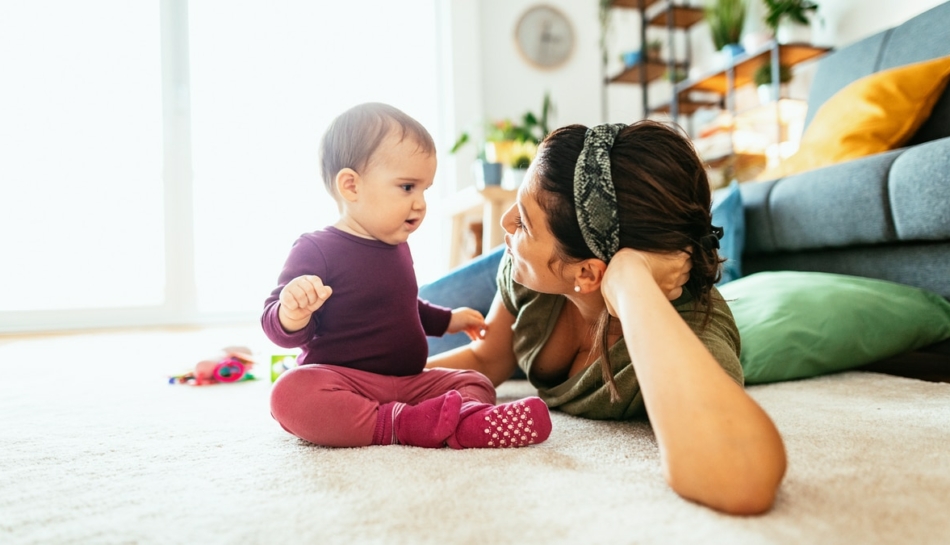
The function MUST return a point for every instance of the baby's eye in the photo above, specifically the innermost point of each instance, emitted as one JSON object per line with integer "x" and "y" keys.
{"x": 406, "y": 187}
{"x": 518, "y": 224}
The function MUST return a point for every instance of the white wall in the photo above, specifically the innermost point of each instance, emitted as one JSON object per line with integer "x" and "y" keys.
{"x": 509, "y": 85}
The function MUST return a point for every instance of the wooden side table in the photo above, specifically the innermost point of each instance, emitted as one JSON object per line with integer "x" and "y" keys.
{"x": 490, "y": 203}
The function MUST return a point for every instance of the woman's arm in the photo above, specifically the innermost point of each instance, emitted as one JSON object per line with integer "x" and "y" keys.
{"x": 718, "y": 447}
{"x": 492, "y": 356}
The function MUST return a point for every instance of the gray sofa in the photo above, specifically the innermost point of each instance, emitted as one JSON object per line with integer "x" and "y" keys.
{"x": 885, "y": 216}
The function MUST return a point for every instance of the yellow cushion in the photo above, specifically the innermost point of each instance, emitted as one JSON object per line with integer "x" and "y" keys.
{"x": 876, "y": 113}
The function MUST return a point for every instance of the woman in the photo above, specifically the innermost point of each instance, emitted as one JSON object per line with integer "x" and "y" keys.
{"x": 611, "y": 224}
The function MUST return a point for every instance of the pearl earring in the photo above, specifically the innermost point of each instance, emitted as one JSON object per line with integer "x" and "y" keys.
{"x": 577, "y": 289}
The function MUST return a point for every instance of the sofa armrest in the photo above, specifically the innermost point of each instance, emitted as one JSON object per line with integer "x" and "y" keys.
{"x": 839, "y": 205}
{"x": 919, "y": 191}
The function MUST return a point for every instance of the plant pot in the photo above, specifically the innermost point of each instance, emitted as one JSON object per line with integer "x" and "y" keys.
{"x": 752, "y": 41}
{"x": 732, "y": 51}
{"x": 513, "y": 178}
{"x": 631, "y": 58}
{"x": 792, "y": 33}
{"x": 765, "y": 92}
{"x": 486, "y": 173}
{"x": 726, "y": 55}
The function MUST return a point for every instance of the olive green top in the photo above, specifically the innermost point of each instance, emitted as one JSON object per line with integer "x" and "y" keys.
{"x": 585, "y": 394}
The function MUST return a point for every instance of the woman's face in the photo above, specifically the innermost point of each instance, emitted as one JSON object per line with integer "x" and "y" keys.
{"x": 531, "y": 243}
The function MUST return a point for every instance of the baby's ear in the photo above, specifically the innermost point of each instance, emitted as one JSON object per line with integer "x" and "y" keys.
{"x": 347, "y": 184}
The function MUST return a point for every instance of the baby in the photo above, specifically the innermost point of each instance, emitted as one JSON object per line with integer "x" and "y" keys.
{"x": 348, "y": 297}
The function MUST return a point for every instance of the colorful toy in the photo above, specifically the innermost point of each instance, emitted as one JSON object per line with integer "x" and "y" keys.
{"x": 234, "y": 364}
{"x": 280, "y": 363}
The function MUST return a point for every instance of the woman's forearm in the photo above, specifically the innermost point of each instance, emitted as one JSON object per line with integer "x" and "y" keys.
{"x": 466, "y": 357}
{"x": 718, "y": 446}
{"x": 491, "y": 356}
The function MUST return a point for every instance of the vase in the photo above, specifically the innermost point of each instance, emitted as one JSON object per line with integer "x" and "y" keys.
{"x": 765, "y": 92}
{"x": 486, "y": 173}
{"x": 792, "y": 33}
{"x": 513, "y": 178}
{"x": 726, "y": 56}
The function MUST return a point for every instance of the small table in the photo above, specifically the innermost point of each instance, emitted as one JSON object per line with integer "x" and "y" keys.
{"x": 491, "y": 201}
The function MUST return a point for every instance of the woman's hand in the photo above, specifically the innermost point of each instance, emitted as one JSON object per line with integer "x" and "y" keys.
{"x": 670, "y": 271}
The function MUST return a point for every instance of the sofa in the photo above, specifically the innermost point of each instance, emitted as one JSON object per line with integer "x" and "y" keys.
{"x": 884, "y": 216}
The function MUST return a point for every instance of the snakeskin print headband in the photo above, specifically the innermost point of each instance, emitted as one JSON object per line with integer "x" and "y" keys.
{"x": 594, "y": 196}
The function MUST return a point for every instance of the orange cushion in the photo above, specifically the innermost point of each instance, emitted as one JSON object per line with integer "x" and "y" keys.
{"x": 876, "y": 113}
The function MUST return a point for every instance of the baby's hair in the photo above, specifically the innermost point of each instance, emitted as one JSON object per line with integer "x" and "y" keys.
{"x": 353, "y": 137}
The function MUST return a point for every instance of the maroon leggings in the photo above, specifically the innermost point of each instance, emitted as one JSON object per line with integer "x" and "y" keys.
{"x": 337, "y": 406}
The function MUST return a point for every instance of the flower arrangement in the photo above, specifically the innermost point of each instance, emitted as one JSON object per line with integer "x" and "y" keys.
{"x": 509, "y": 143}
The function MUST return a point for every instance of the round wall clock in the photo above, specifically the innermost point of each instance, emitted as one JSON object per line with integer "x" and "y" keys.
{"x": 545, "y": 36}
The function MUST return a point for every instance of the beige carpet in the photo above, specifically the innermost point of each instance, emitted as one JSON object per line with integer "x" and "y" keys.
{"x": 96, "y": 447}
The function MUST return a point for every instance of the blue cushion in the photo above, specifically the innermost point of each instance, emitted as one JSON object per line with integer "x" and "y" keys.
{"x": 727, "y": 213}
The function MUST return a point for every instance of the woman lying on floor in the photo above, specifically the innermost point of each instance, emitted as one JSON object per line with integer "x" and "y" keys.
{"x": 611, "y": 224}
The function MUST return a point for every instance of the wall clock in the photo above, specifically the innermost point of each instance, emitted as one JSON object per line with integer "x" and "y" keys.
{"x": 544, "y": 36}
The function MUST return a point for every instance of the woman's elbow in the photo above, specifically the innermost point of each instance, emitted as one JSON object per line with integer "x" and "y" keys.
{"x": 746, "y": 492}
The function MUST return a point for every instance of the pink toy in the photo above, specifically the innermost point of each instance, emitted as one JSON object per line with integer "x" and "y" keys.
{"x": 233, "y": 365}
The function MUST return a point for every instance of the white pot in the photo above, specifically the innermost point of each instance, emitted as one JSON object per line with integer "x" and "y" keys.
{"x": 513, "y": 177}
{"x": 752, "y": 41}
{"x": 765, "y": 92}
{"x": 792, "y": 33}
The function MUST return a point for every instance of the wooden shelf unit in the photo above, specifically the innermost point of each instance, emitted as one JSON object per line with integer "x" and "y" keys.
{"x": 683, "y": 17}
{"x": 671, "y": 17}
{"x": 745, "y": 65}
{"x": 633, "y": 3}
{"x": 654, "y": 71}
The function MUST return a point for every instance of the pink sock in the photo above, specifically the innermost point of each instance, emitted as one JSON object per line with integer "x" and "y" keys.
{"x": 427, "y": 424}
{"x": 516, "y": 424}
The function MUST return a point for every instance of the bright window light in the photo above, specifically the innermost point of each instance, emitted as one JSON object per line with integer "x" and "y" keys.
{"x": 266, "y": 80}
{"x": 81, "y": 211}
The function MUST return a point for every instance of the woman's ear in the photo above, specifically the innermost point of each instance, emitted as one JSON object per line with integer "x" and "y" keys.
{"x": 347, "y": 184}
{"x": 589, "y": 275}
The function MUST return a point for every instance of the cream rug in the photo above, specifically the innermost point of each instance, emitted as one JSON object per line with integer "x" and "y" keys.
{"x": 96, "y": 447}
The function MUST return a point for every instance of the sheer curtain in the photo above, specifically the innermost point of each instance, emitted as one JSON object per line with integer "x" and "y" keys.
{"x": 84, "y": 211}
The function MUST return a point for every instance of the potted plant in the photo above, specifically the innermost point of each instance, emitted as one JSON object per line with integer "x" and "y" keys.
{"x": 508, "y": 145}
{"x": 789, "y": 19}
{"x": 654, "y": 48}
{"x": 677, "y": 75}
{"x": 763, "y": 80}
{"x": 486, "y": 172}
{"x": 726, "y": 19}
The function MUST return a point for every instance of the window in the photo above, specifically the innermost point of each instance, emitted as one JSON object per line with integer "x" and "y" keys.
{"x": 102, "y": 226}
{"x": 81, "y": 201}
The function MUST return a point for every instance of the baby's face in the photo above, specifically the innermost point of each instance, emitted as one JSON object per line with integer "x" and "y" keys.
{"x": 391, "y": 203}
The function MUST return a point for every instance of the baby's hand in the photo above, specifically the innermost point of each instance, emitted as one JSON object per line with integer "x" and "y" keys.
{"x": 468, "y": 320}
{"x": 300, "y": 298}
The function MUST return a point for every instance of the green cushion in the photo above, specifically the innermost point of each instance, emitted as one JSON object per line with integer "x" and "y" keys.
{"x": 801, "y": 324}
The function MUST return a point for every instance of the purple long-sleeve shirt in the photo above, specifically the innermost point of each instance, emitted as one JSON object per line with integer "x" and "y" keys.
{"x": 374, "y": 320}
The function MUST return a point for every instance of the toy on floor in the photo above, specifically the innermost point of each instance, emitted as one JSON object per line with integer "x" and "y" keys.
{"x": 280, "y": 363}
{"x": 232, "y": 365}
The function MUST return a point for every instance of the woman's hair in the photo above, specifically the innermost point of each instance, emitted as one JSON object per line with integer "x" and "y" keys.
{"x": 353, "y": 137}
{"x": 663, "y": 204}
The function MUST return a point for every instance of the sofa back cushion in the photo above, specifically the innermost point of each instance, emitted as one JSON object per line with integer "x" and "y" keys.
{"x": 918, "y": 39}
